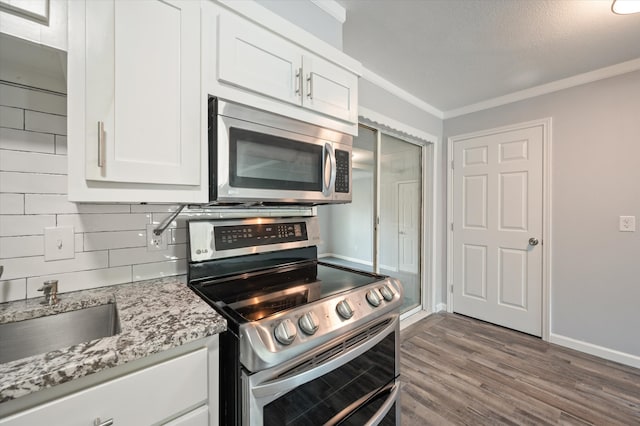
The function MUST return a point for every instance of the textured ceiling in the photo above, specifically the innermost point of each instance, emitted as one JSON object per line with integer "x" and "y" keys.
{"x": 453, "y": 53}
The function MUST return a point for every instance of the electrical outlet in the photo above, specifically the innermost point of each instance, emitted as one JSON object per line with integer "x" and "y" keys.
{"x": 627, "y": 223}
{"x": 156, "y": 242}
{"x": 59, "y": 243}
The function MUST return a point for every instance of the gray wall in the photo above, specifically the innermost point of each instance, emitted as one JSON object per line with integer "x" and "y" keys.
{"x": 309, "y": 17}
{"x": 595, "y": 175}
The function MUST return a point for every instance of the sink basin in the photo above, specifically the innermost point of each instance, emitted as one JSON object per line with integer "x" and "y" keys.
{"x": 21, "y": 339}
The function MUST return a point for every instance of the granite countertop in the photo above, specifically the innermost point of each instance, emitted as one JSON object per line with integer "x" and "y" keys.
{"x": 155, "y": 315}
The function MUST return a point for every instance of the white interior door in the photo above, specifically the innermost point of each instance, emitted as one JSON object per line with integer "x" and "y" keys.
{"x": 408, "y": 226}
{"x": 497, "y": 217}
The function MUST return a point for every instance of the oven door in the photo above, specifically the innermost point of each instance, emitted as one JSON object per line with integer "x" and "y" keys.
{"x": 352, "y": 381}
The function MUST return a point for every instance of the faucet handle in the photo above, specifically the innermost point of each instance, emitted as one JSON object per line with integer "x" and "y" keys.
{"x": 50, "y": 289}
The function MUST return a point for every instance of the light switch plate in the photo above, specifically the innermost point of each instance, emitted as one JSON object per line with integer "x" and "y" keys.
{"x": 627, "y": 223}
{"x": 59, "y": 243}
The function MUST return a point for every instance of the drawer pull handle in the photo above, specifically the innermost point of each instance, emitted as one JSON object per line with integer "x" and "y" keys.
{"x": 98, "y": 422}
{"x": 100, "y": 144}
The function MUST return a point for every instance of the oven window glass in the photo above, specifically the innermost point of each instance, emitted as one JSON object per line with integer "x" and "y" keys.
{"x": 319, "y": 400}
{"x": 263, "y": 161}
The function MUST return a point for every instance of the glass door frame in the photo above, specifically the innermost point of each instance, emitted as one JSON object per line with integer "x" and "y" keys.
{"x": 427, "y": 213}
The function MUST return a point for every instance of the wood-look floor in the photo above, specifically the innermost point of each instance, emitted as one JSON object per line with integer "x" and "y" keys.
{"x": 456, "y": 370}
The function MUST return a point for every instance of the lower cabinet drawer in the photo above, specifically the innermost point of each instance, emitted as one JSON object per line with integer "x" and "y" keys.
{"x": 141, "y": 398}
{"x": 197, "y": 417}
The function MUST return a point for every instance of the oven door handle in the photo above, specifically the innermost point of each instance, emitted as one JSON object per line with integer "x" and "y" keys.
{"x": 273, "y": 389}
{"x": 392, "y": 389}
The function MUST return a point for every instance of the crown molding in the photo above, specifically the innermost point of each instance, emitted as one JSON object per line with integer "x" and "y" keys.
{"x": 369, "y": 116}
{"x": 385, "y": 84}
{"x": 333, "y": 8}
{"x": 555, "y": 86}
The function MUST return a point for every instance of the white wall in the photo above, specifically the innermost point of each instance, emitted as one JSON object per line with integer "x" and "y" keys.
{"x": 595, "y": 270}
{"x": 308, "y": 16}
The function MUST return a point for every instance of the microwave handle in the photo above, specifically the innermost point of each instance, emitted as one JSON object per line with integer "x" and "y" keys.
{"x": 328, "y": 155}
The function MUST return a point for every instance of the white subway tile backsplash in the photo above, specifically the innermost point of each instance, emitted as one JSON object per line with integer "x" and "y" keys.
{"x": 26, "y": 245}
{"x": 15, "y": 225}
{"x": 11, "y": 203}
{"x": 21, "y": 140}
{"x": 178, "y": 236}
{"x": 114, "y": 240}
{"x": 160, "y": 269}
{"x": 35, "y": 100}
{"x": 132, "y": 256}
{"x": 11, "y": 117}
{"x": 99, "y": 222}
{"x": 32, "y": 183}
{"x": 74, "y": 281}
{"x": 153, "y": 208}
{"x": 45, "y": 123}
{"x": 20, "y": 267}
{"x": 61, "y": 145}
{"x": 34, "y": 162}
{"x": 13, "y": 290}
{"x": 78, "y": 242}
{"x": 57, "y": 203}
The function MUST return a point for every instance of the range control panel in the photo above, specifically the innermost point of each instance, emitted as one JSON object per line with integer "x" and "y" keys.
{"x": 249, "y": 235}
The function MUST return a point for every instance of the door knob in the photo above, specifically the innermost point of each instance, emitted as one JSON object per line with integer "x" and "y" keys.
{"x": 533, "y": 241}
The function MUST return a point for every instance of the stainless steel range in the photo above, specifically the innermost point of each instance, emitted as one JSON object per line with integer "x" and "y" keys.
{"x": 308, "y": 343}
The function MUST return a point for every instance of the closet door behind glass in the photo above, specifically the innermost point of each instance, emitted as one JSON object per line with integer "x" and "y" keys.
{"x": 400, "y": 212}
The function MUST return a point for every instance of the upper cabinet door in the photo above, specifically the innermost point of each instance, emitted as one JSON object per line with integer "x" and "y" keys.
{"x": 256, "y": 59}
{"x": 143, "y": 91}
{"x": 330, "y": 89}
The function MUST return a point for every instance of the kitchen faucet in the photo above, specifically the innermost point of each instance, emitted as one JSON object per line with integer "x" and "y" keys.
{"x": 50, "y": 289}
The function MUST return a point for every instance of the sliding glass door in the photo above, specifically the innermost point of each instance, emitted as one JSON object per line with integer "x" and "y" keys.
{"x": 382, "y": 229}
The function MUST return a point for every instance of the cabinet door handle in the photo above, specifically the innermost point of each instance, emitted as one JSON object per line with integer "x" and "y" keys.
{"x": 309, "y": 87}
{"x": 299, "y": 82}
{"x": 98, "y": 422}
{"x": 100, "y": 144}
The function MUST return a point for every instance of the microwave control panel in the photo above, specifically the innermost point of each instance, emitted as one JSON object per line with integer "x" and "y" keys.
{"x": 342, "y": 171}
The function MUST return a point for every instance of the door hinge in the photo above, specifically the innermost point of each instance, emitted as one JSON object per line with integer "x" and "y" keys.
{"x": 451, "y": 288}
{"x": 452, "y": 165}
{"x": 452, "y": 226}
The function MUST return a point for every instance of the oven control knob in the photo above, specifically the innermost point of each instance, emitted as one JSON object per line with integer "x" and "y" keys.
{"x": 344, "y": 309}
{"x": 373, "y": 298}
{"x": 285, "y": 332}
{"x": 308, "y": 323}
{"x": 386, "y": 292}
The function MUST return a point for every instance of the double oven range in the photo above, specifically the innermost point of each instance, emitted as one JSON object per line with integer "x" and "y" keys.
{"x": 307, "y": 343}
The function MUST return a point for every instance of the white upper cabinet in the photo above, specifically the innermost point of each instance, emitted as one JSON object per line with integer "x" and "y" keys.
{"x": 39, "y": 21}
{"x": 330, "y": 89}
{"x": 258, "y": 60}
{"x": 136, "y": 113}
{"x": 263, "y": 61}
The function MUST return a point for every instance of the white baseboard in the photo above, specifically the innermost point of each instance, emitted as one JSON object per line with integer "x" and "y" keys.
{"x": 600, "y": 351}
{"x": 348, "y": 259}
{"x": 441, "y": 307}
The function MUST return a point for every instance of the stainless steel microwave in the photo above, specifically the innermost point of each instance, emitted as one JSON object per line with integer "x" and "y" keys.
{"x": 258, "y": 157}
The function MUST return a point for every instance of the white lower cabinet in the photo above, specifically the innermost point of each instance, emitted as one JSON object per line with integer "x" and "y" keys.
{"x": 174, "y": 392}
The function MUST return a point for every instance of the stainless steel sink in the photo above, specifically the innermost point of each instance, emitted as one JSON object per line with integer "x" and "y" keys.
{"x": 21, "y": 339}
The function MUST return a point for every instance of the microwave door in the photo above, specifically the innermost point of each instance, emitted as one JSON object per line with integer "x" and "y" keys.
{"x": 258, "y": 163}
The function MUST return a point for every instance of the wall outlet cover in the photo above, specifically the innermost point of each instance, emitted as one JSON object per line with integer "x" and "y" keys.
{"x": 157, "y": 242}
{"x": 59, "y": 243}
{"x": 627, "y": 223}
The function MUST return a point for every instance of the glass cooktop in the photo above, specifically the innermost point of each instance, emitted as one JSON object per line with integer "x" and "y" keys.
{"x": 251, "y": 297}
